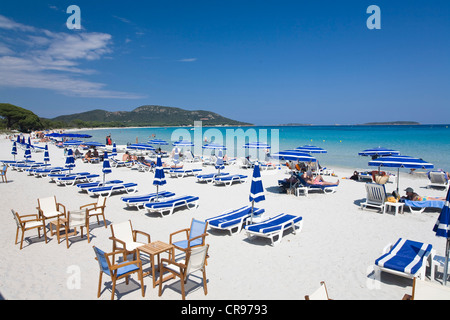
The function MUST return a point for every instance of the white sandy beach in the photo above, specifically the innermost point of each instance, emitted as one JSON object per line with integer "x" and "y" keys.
{"x": 338, "y": 244}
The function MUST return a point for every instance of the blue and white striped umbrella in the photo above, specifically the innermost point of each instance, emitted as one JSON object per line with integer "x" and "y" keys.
{"x": 106, "y": 166}
{"x": 379, "y": 152}
{"x": 219, "y": 162}
{"x": 176, "y": 156}
{"x": 256, "y": 145}
{"x": 256, "y": 188}
{"x": 401, "y": 162}
{"x": 114, "y": 150}
{"x": 14, "y": 150}
{"x": 70, "y": 160}
{"x": 141, "y": 146}
{"x": 311, "y": 149}
{"x": 158, "y": 142}
{"x": 183, "y": 143}
{"x": 293, "y": 155}
{"x": 442, "y": 229}
{"x": 159, "y": 179}
{"x": 46, "y": 155}
{"x": 93, "y": 144}
{"x": 27, "y": 154}
{"x": 72, "y": 143}
{"x": 214, "y": 146}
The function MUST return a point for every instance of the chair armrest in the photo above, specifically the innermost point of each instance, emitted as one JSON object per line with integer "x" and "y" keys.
{"x": 87, "y": 205}
{"x": 197, "y": 237}
{"x": 135, "y": 233}
{"x": 61, "y": 205}
{"x": 178, "y": 264}
{"x": 120, "y": 241}
{"x": 179, "y": 231}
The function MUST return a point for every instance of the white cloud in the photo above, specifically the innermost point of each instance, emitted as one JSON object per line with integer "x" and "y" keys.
{"x": 188, "y": 60}
{"x": 52, "y": 60}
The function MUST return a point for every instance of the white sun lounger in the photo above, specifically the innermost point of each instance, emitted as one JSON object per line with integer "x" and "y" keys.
{"x": 438, "y": 179}
{"x": 181, "y": 173}
{"x": 72, "y": 180}
{"x": 229, "y": 179}
{"x": 56, "y": 176}
{"x": 406, "y": 258}
{"x": 234, "y": 219}
{"x": 88, "y": 185}
{"x": 273, "y": 228}
{"x": 376, "y": 196}
{"x": 43, "y": 172}
{"x": 171, "y": 204}
{"x": 128, "y": 187}
{"x": 140, "y": 200}
{"x": 209, "y": 177}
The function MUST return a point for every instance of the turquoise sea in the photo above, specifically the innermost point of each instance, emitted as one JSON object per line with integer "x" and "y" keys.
{"x": 429, "y": 142}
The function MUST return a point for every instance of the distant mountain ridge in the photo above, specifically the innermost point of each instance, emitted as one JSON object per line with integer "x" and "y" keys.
{"x": 150, "y": 115}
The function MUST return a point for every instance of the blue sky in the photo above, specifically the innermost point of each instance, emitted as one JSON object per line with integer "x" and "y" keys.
{"x": 264, "y": 62}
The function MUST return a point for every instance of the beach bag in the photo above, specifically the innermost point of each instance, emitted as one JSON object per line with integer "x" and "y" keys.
{"x": 392, "y": 199}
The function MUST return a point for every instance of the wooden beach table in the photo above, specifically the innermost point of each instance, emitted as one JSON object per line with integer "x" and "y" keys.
{"x": 155, "y": 249}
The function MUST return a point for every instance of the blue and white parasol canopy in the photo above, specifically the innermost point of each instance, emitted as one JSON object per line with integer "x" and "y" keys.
{"x": 293, "y": 155}
{"x": 311, "y": 149}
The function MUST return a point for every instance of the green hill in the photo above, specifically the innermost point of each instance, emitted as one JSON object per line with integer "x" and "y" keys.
{"x": 149, "y": 115}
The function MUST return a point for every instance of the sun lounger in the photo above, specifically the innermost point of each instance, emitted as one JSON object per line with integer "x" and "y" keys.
{"x": 405, "y": 258}
{"x": 110, "y": 189}
{"x": 43, "y": 172}
{"x": 273, "y": 228}
{"x": 420, "y": 206}
{"x": 229, "y": 179}
{"x": 72, "y": 180}
{"x": 327, "y": 189}
{"x": 181, "y": 173}
{"x": 89, "y": 185}
{"x": 118, "y": 163}
{"x": 141, "y": 200}
{"x": 21, "y": 167}
{"x": 234, "y": 219}
{"x": 170, "y": 204}
{"x": 209, "y": 177}
{"x": 438, "y": 179}
{"x": 56, "y": 176}
{"x": 376, "y": 196}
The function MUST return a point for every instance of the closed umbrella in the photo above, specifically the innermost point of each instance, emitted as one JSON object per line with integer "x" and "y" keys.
{"x": 159, "y": 179}
{"x": 46, "y": 155}
{"x": 219, "y": 162}
{"x": 256, "y": 189}
{"x": 27, "y": 155}
{"x": 401, "y": 162}
{"x": 442, "y": 229}
{"x": 114, "y": 150}
{"x": 70, "y": 160}
{"x": 14, "y": 150}
{"x": 106, "y": 166}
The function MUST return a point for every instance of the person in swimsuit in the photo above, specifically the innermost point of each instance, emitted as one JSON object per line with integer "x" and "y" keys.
{"x": 412, "y": 196}
{"x": 308, "y": 176}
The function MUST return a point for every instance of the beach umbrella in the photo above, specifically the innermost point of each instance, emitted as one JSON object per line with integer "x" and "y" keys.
{"x": 219, "y": 162}
{"x": 159, "y": 179}
{"x": 114, "y": 150}
{"x": 106, "y": 166}
{"x": 18, "y": 139}
{"x": 183, "y": 143}
{"x": 140, "y": 146}
{"x": 70, "y": 160}
{"x": 46, "y": 155}
{"x": 159, "y": 142}
{"x": 214, "y": 146}
{"x": 442, "y": 229}
{"x": 256, "y": 189}
{"x": 27, "y": 152}
{"x": 176, "y": 156}
{"x": 14, "y": 150}
{"x": 256, "y": 145}
{"x": 401, "y": 162}
{"x": 29, "y": 140}
{"x": 379, "y": 152}
{"x": 293, "y": 155}
{"x": 93, "y": 144}
{"x": 72, "y": 143}
{"x": 23, "y": 140}
{"x": 311, "y": 149}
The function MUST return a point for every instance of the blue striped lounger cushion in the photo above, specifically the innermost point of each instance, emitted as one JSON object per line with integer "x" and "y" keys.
{"x": 274, "y": 224}
{"x": 233, "y": 217}
{"x": 405, "y": 256}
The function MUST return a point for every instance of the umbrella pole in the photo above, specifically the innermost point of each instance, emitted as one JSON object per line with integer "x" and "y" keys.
{"x": 398, "y": 178}
{"x": 251, "y": 212}
{"x": 446, "y": 261}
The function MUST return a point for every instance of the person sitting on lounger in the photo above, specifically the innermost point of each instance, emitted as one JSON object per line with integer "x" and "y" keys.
{"x": 126, "y": 157}
{"x": 308, "y": 177}
{"x": 412, "y": 196}
{"x": 88, "y": 155}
